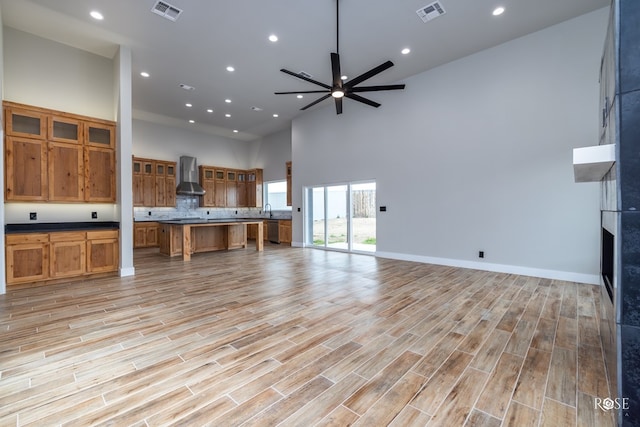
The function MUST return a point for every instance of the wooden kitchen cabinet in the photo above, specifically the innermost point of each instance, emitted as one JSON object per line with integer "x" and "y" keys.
{"x": 254, "y": 188}
{"x": 102, "y": 251}
{"x": 145, "y": 235}
{"x": 67, "y": 254}
{"x": 56, "y": 156}
{"x": 241, "y": 189}
{"x": 289, "y": 176}
{"x": 25, "y": 169}
{"x": 160, "y": 184}
{"x": 284, "y": 229}
{"x": 170, "y": 183}
{"x": 231, "y": 188}
{"x": 100, "y": 134}
{"x": 24, "y": 122}
{"x": 38, "y": 257}
{"x": 27, "y": 257}
{"x": 100, "y": 173}
{"x": 154, "y": 182}
{"x": 221, "y": 189}
{"x": 208, "y": 183}
{"x": 66, "y": 179}
{"x": 65, "y": 129}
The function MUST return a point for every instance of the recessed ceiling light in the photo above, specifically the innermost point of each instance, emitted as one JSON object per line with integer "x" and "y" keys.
{"x": 188, "y": 105}
{"x": 144, "y": 74}
{"x": 406, "y": 51}
{"x": 228, "y": 101}
{"x": 300, "y": 96}
{"x": 273, "y": 38}
{"x": 344, "y": 77}
{"x": 498, "y": 11}
{"x": 275, "y": 115}
{"x": 96, "y": 15}
{"x": 235, "y": 131}
{"x": 230, "y": 69}
{"x": 227, "y": 115}
{"x": 209, "y": 110}
{"x": 192, "y": 121}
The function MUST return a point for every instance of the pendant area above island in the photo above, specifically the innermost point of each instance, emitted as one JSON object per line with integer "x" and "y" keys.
{"x": 186, "y": 237}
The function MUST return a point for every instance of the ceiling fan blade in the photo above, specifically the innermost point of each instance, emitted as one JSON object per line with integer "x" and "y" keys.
{"x": 335, "y": 70}
{"x": 372, "y": 72}
{"x": 362, "y": 99}
{"x": 316, "y": 101}
{"x": 315, "y": 82}
{"x": 338, "y": 105}
{"x": 376, "y": 88}
{"x": 300, "y": 91}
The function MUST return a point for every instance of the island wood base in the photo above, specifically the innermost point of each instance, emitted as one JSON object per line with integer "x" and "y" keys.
{"x": 187, "y": 239}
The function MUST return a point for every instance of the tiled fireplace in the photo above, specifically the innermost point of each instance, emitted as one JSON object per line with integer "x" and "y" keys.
{"x": 620, "y": 260}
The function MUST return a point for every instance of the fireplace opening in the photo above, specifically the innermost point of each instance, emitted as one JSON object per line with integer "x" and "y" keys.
{"x": 607, "y": 261}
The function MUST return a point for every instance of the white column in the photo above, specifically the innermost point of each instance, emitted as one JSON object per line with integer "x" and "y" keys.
{"x": 3, "y": 267}
{"x": 124, "y": 148}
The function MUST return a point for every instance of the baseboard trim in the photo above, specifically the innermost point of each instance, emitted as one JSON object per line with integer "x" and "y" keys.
{"x": 591, "y": 279}
{"x": 126, "y": 272}
{"x": 297, "y": 244}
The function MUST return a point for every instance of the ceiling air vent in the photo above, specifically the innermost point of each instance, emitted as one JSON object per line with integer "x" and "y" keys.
{"x": 166, "y": 10}
{"x": 431, "y": 11}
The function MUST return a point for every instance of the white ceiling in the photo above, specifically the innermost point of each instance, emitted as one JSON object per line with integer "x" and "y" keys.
{"x": 212, "y": 34}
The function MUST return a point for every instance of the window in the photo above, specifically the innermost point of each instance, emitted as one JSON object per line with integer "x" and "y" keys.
{"x": 275, "y": 193}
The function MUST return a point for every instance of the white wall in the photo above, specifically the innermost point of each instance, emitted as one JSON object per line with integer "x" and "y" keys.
{"x": 48, "y": 74}
{"x": 156, "y": 141}
{"x": 476, "y": 155}
{"x": 271, "y": 154}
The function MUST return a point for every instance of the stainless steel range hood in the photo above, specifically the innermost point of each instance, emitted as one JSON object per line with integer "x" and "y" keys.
{"x": 189, "y": 177}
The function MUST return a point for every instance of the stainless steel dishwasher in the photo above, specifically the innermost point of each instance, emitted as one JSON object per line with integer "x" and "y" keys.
{"x": 273, "y": 229}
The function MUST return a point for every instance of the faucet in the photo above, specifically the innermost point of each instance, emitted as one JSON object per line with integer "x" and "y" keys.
{"x": 265, "y": 210}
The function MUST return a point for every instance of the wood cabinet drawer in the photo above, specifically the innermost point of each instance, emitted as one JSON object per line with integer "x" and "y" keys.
{"x": 68, "y": 236}
{"x": 18, "y": 239}
{"x": 103, "y": 234}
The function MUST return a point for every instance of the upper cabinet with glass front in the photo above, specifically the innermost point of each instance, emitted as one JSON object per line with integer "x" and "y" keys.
{"x": 100, "y": 135}
{"x": 25, "y": 123}
{"x": 63, "y": 129}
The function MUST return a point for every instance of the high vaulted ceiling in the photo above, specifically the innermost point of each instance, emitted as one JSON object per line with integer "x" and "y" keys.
{"x": 212, "y": 34}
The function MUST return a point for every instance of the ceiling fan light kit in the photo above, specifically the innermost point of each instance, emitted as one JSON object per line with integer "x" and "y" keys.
{"x": 339, "y": 88}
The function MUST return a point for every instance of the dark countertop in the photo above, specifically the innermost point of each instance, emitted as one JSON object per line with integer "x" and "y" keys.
{"x": 46, "y": 227}
{"x": 208, "y": 221}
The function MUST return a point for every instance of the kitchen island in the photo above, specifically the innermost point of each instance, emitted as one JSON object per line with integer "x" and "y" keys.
{"x": 188, "y": 236}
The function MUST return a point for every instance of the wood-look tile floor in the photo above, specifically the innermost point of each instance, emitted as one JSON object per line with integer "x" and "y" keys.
{"x": 301, "y": 337}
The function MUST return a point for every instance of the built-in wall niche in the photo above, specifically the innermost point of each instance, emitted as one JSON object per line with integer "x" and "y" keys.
{"x": 607, "y": 261}
{"x": 19, "y": 213}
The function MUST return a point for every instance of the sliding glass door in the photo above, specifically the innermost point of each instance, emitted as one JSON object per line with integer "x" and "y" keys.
{"x": 341, "y": 217}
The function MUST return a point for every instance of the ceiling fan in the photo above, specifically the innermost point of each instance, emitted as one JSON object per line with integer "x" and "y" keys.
{"x": 339, "y": 88}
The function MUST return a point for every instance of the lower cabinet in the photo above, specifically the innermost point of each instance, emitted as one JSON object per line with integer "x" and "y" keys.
{"x": 36, "y": 257}
{"x": 146, "y": 235}
{"x": 27, "y": 257}
{"x": 67, "y": 254}
{"x": 102, "y": 251}
{"x": 284, "y": 228}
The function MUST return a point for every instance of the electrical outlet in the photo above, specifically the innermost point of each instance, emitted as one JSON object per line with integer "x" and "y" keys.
{"x": 236, "y": 212}
{"x": 383, "y": 208}
{"x": 298, "y": 209}
{"x": 33, "y": 216}
{"x": 149, "y": 213}
{"x": 207, "y": 212}
{"x": 481, "y": 254}
{"x": 94, "y": 215}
